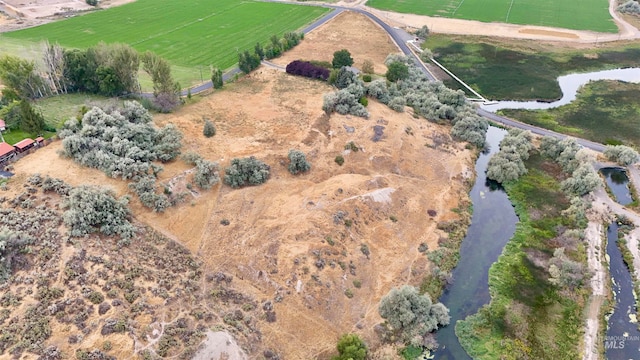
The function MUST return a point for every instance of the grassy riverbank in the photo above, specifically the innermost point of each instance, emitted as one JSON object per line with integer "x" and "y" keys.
{"x": 528, "y": 316}
{"x": 503, "y": 69}
{"x": 607, "y": 112}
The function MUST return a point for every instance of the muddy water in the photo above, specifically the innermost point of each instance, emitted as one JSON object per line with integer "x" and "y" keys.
{"x": 492, "y": 225}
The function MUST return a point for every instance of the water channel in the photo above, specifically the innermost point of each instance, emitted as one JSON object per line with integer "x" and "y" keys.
{"x": 569, "y": 84}
{"x": 492, "y": 225}
{"x": 622, "y": 340}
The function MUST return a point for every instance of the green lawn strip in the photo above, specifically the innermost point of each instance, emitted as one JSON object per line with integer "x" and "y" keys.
{"x": 590, "y": 15}
{"x": 14, "y": 136}
{"x": 527, "y": 316}
{"x": 190, "y": 34}
{"x": 506, "y": 71}
{"x": 58, "y": 109}
{"x": 607, "y": 112}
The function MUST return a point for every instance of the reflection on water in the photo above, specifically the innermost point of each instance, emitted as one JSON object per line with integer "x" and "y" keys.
{"x": 492, "y": 225}
{"x": 569, "y": 84}
{"x": 617, "y": 181}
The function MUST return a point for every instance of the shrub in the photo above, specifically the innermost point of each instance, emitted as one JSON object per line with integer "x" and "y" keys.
{"x": 423, "y": 32}
{"x": 345, "y": 102}
{"x": 412, "y": 315}
{"x": 378, "y": 89}
{"x": 209, "y": 129}
{"x": 11, "y": 244}
{"x": 366, "y": 78}
{"x": 307, "y": 69}
{"x": 397, "y": 104}
{"x": 246, "y": 171}
{"x": 191, "y": 157}
{"x": 565, "y": 272}
{"x": 350, "y": 347}
{"x": 363, "y": 101}
{"x": 339, "y": 160}
{"x": 471, "y": 128}
{"x": 344, "y": 78}
{"x": 621, "y": 154}
{"x": 342, "y": 58}
{"x": 92, "y": 209}
{"x": 298, "y": 162}
{"x": 367, "y": 67}
{"x": 206, "y": 174}
{"x": 508, "y": 164}
{"x": 630, "y": 7}
{"x": 583, "y": 181}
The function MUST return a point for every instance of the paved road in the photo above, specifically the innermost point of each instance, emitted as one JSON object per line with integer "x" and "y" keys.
{"x": 400, "y": 37}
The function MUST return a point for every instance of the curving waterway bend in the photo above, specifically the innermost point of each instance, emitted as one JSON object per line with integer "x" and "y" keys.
{"x": 569, "y": 84}
{"x": 492, "y": 225}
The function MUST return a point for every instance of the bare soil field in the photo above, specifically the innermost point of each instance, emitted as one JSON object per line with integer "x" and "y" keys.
{"x": 355, "y": 32}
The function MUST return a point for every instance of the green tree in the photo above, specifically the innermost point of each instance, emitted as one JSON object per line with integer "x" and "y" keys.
{"x": 351, "y": 347}
{"x": 248, "y": 61}
{"x": 166, "y": 91}
{"x": 20, "y": 76}
{"x": 216, "y": 78}
{"x": 342, "y": 58}
{"x": 209, "y": 128}
{"x": 259, "y": 50}
{"x": 30, "y": 121}
{"x": 397, "y": 71}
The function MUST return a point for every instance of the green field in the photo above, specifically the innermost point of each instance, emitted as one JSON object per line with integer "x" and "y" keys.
{"x": 588, "y": 15}
{"x": 191, "y": 34}
{"x": 607, "y": 112}
{"x": 520, "y": 70}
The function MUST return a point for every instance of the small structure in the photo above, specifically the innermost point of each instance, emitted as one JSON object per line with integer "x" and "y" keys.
{"x": 40, "y": 141}
{"x": 6, "y": 151}
{"x": 3, "y": 126}
{"x": 353, "y": 69}
{"x": 24, "y": 145}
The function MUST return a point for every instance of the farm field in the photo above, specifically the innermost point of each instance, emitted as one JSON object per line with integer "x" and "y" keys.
{"x": 192, "y": 35}
{"x": 522, "y": 70}
{"x": 589, "y": 15}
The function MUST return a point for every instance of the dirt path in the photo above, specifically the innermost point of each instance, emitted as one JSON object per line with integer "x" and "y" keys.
{"x": 470, "y": 27}
{"x": 595, "y": 258}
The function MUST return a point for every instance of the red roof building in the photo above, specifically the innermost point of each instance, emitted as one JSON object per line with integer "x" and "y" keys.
{"x": 39, "y": 139}
{"x": 24, "y": 145}
{"x": 6, "y": 151}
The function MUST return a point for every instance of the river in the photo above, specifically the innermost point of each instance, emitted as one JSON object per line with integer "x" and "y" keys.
{"x": 492, "y": 225}
{"x": 569, "y": 84}
{"x": 622, "y": 340}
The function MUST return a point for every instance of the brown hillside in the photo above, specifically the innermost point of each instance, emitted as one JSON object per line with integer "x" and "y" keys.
{"x": 304, "y": 242}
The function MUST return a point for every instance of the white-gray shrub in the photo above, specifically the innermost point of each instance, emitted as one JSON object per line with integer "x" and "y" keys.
{"x": 94, "y": 209}
{"x": 630, "y": 7}
{"x": 343, "y": 102}
{"x": 471, "y": 128}
{"x": 582, "y": 181}
{"x": 206, "y": 174}
{"x": 412, "y": 315}
{"x": 246, "y": 171}
{"x": 621, "y": 154}
{"x": 397, "y": 104}
{"x": 508, "y": 164}
{"x": 377, "y": 89}
{"x": 298, "y": 162}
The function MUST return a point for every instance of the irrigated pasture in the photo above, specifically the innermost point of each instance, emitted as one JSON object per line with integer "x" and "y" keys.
{"x": 188, "y": 33}
{"x": 586, "y": 15}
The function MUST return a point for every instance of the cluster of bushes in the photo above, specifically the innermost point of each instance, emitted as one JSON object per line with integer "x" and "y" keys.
{"x": 298, "y": 162}
{"x": 123, "y": 143}
{"x": 248, "y": 61}
{"x": 621, "y": 154}
{"x": 574, "y": 161}
{"x": 307, "y": 69}
{"x": 430, "y": 99}
{"x": 508, "y": 164}
{"x": 630, "y": 7}
{"x": 11, "y": 243}
{"x": 565, "y": 272}
{"x": 351, "y": 347}
{"x": 411, "y": 317}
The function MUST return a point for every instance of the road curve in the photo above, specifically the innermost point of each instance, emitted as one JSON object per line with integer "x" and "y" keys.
{"x": 397, "y": 37}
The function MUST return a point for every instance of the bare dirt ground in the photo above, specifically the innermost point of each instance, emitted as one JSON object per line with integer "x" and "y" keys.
{"x": 18, "y": 14}
{"x": 345, "y": 31}
{"x": 304, "y": 242}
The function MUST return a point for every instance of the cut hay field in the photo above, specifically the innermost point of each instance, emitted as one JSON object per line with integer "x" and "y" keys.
{"x": 586, "y": 15}
{"x": 188, "y": 33}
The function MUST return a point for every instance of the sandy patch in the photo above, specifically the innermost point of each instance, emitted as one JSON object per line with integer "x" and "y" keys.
{"x": 549, "y": 33}
{"x": 219, "y": 345}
